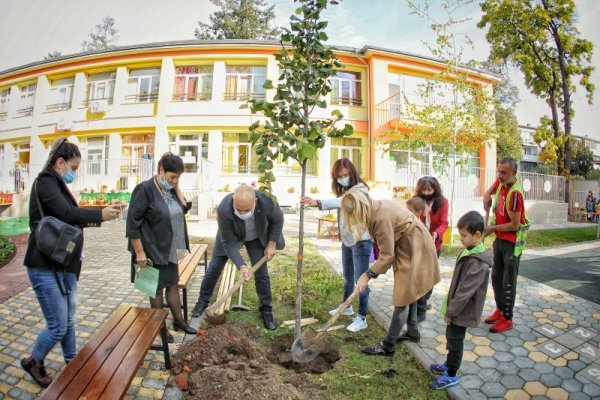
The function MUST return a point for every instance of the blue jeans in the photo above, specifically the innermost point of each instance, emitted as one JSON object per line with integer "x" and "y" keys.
{"x": 59, "y": 311}
{"x": 355, "y": 262}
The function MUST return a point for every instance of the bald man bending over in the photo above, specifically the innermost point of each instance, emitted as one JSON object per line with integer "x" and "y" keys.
{"x": 246, "y": 218}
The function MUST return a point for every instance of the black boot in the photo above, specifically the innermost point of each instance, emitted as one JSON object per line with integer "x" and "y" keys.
{"x": 179, "y": 324}
{"x": 380, "y": 349}
{"x": 198, "y": 309}
{"x": 37, "y": 371}
{"x": 268, "y": 321}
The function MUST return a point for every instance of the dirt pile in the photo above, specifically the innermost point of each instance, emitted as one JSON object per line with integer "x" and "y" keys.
{"x": 227, "y": 362}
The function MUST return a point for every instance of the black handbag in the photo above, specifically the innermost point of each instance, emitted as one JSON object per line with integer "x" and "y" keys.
{"x": 56, "y": 239}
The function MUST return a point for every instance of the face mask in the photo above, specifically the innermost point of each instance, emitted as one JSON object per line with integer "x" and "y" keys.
{"x": 166, "y": 185}
{"x": 427, "y": 197}
{"x": 69, "y": 177}
{"x": 344, "y": 181}
{"x": 244, "y": 217}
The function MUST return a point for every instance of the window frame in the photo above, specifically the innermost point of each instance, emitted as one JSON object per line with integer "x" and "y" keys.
{"x": 153, "y": 86}
{"x": 204, "y": 80}
{"x": 236, "y": 94}
{"x": 354, "y": 89}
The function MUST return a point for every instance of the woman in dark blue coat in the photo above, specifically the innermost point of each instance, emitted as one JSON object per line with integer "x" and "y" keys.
{"x": 55, "y": 285}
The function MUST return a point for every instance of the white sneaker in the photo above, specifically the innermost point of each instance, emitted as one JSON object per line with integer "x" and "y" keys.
{"x": 358, "y": 324}
{"x": 348, "y": 312}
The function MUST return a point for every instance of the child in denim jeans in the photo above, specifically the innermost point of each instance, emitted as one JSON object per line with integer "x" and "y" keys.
{"x": 463, "y": 305}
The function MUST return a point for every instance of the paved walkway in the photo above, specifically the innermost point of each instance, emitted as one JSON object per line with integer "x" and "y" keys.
{"x": 553, "y": 352}
{"x": 526, "y": 362}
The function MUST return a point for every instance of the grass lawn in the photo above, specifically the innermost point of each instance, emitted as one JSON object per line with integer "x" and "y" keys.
{"x": 355, "y": 376}
{"x": 535, "y": 239}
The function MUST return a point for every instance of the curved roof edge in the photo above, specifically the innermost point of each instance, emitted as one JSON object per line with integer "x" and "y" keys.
{"x": 226, "y": 43}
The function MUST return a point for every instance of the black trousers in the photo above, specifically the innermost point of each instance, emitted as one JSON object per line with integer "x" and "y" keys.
{"x": 215, "y": 267}
{"x": 455, "y": 338}
{"x": 504, "y": 276}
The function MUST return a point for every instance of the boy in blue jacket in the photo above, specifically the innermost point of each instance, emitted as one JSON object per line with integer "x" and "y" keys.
{"x": 464, "y": 302}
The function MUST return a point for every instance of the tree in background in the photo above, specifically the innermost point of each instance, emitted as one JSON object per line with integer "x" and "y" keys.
{"x": 582, "y": 157}
{"x": 540, "y": 38}
{"x": 52, "y": 54}
{"x": 239, "y": 19}
{"x": 305, "y": 66}
{"x": 506, "y": 97}
{"x": 455, "y": 114}
{"x": 105, "y": 36}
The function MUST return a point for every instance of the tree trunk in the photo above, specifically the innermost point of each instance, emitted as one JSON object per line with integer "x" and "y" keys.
{"x": 300, "y": 265}
{"x": 556, "y": 129}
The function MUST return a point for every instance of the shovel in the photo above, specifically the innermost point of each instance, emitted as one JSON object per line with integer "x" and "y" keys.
{"x": 485, "y": 223}
{"x": 239, "y": 306}
{"x": 310, "y": 343}
{"x": 220, "y": 319}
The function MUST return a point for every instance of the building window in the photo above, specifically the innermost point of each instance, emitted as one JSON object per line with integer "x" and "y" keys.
{"x": 135, "y": 151}
{"x": 238, "y": 155}
{"x": 27, "y": 100}
{"x": 192, "y": 148}
{"x": 346, "y": 88}
{"x": 4, "y": 100}
{"x": 142, "y": 86}
{"x": 193, "y": 83}
{"x": 350, "y": 148}
{"x": 101, "y": 87}
{"x": 97, "y": 150}
{"x": 292, "y": 166}
{"x": 244, "y": 82}
{"x": 61, "y": 94}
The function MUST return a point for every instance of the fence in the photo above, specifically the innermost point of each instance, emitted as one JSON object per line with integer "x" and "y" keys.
{"x": 581, "y": 189}
{"x": 472, "y": 182}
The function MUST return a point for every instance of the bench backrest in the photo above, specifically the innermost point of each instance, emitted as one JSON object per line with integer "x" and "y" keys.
{"x": 188, "y": 264}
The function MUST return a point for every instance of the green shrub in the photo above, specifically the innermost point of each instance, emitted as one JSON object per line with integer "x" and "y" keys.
{"x": 7, "y": 249}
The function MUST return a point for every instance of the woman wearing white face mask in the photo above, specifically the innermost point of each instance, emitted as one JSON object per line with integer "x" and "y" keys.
{"x": 54, "y": 284}
{"x": 355, "y": 252}
{"x": 157, "y": 231}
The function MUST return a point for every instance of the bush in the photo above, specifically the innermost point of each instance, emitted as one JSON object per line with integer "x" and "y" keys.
{"x": 7, "y": 249}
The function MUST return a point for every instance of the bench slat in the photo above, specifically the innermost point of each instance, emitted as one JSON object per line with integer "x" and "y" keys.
{"x": 87, "y": 351}
{"x": 187, "y": 270}
{"x": 145, "y": 320}
{"x": 122, "y": 377}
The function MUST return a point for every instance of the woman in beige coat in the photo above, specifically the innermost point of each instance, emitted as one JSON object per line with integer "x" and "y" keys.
{"x": 404, "y": 244}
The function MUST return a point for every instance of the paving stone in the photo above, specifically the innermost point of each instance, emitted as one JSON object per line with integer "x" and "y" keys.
{"x": 564, "y": 372}
{"x": 172, "y": 393}
{"x": 523, "y": 362}
{"x": 529, "y": 374}
{"x": 501, "y": 346}
{"x": 514, "y": 341}
{"x": 486, "y": 362}
{"x": 519, "y": 351}
{"x": 512, "y": 382}
{"x": 471, "y": 382}
{"x": 153, "y": 384}
{"x": 579, "y": 396}
{"x": 493, "y": 390}
{"x": 571, "y": 385}
{"x": 576, "y": 365}
{"x": 548, "y": 330}
{"x": 527, "y": 337}
{"x": 592, "y": 390}
{"x": 490, "y": 375}
{"x": 591, "y": 373}
{"x": 588, "y": 351}
{"x": 552, "y": 349}
{"x": 476, "y": 395}
{"x": 543, "y": 368}
{"x": 507, "y": 368}
{"x": 568, "y": 340}
{"x": 504, "y": 356}
{"x": 550, "y": 380}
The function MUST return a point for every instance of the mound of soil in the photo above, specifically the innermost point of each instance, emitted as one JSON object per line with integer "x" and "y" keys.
{"x": 227, "y": 362}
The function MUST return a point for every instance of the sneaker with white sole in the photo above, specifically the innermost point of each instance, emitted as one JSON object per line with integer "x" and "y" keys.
{"x": 348, "y": 312}
{"x": 358, "y": 324}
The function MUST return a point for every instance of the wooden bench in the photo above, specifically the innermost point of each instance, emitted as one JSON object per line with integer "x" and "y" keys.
{"x": 108, "y": 362}
{"x": 187, "y": 267}
{"x": 327, "y": 220}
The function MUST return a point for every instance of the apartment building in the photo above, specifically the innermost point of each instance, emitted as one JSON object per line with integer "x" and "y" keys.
{"x": 126, "y": 106}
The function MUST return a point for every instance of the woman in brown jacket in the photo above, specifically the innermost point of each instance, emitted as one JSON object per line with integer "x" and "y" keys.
{"x": 405, "y": 245}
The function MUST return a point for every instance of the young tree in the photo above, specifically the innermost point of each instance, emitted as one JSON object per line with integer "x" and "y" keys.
{"x": 455, "y": 114}
{"x": 540, "y": 38}
{"x": 305, "y": 66}
{"x": 105, "y": 36}
{"x": 52, "y": 54}
{"x": 239, "y": 19}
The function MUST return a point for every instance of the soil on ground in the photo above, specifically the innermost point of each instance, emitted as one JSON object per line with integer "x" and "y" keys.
{"x": 229, "y": 362}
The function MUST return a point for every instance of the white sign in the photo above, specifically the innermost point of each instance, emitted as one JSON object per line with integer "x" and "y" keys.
{"x": 527, "y": 185}
{"x": 547, "y": 186}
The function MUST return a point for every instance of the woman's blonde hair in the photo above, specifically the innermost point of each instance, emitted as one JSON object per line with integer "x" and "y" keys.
{"x": 356, "y": 211}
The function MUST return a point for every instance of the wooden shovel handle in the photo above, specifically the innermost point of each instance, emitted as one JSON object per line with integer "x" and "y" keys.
{"x": 485, "y": 223}
{"x": 340, "y": 310}
{"x": 231, "y": 291}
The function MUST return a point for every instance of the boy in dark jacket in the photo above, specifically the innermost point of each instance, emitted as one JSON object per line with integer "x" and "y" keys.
{"x": 463, "y": 305}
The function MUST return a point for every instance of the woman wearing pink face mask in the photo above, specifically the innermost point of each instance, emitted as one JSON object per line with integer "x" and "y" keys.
{"x": 355, "y": 252}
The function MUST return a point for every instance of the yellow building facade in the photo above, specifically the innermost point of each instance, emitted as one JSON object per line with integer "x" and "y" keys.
{"x": 126, "y": 106}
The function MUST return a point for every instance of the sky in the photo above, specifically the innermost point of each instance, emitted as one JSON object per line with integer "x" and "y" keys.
{"x": 30, "y": 29}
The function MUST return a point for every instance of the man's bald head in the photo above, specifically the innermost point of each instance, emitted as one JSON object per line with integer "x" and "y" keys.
{"x": 244, "y": 199}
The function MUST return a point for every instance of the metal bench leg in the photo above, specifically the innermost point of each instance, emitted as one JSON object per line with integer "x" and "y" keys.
{"x": 165, "y": 346}
{"x": 184, "y": 305}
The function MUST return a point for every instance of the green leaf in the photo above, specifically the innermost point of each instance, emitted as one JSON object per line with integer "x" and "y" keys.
{"x": 268, "y": 84}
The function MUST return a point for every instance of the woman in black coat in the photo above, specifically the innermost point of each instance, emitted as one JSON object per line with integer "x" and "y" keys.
{"x": 55, "y": 285}
{"x": 157, "y": 231}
